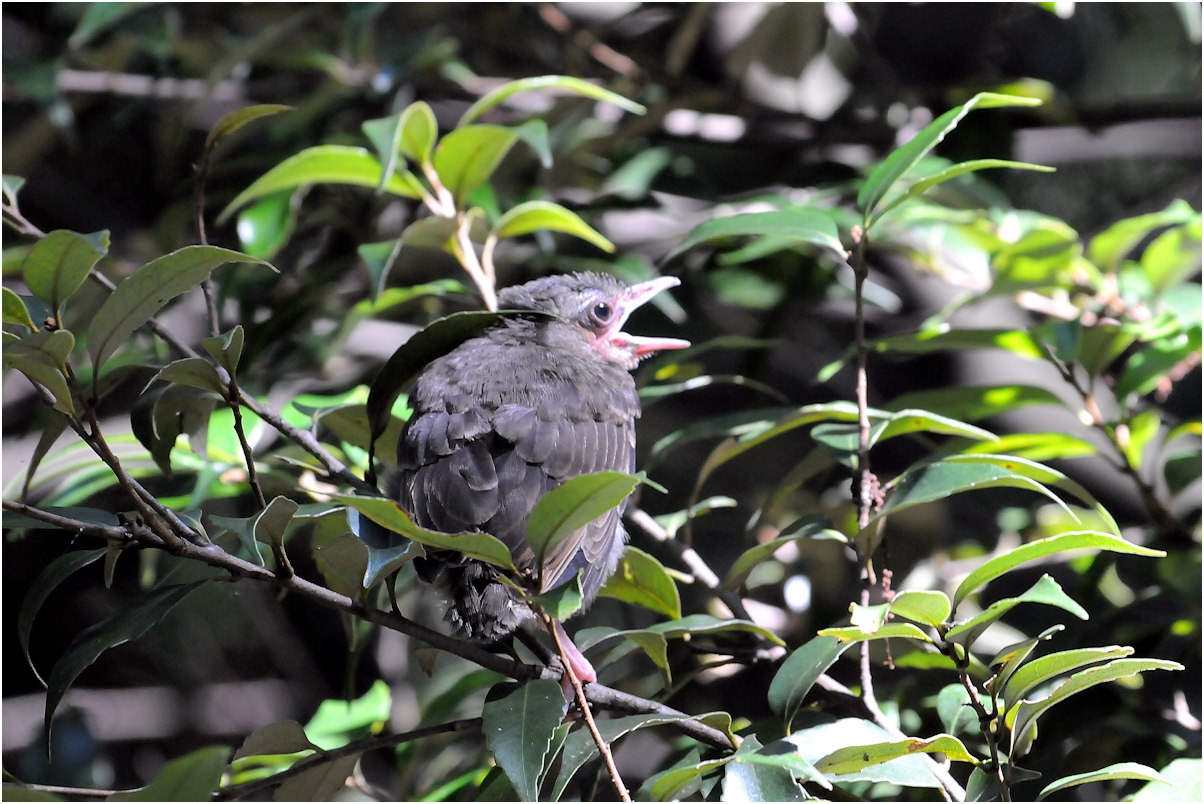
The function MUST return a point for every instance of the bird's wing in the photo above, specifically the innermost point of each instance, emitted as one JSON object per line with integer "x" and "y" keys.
{"x": 558, "y": 442}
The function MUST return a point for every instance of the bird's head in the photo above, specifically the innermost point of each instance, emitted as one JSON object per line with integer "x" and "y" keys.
{"x": 598, "y": 305}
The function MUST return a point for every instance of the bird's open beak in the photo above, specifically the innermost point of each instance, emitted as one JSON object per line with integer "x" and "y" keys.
{"x": 634, "y": 297}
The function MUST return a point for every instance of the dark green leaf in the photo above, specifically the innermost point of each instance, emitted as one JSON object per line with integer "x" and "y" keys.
{"x": 1046, "y": 591}
{"x": 579, "y": 746}
{"x": 518, "y": 723}
{"x": 226, "y": 350}
{"x": 321, "y": 782}
{"x": 884, "y": 176}
{"x": 809, "y": 527}
{"x": 59, "y": 263}
{"x": 799, "y": 672}
{"x": 47, "y": 581}
{"x": 385, "y": 136}
{"x": 41, "y": 356}
{"x": 952, "y": 172}
{"x": 285, "y": 737}
{"x": 129, "y": 622}
{"x": 325, "y": 164}
{"x": 143, "y": 293}
{"x": 239, "y": 118}
{"x": 195, "y": 372}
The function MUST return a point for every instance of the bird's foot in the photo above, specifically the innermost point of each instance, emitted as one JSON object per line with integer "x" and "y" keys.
{"x": 577, "y": 663}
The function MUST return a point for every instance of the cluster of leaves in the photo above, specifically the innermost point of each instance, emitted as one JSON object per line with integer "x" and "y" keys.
{"x": 1116, "y": 318}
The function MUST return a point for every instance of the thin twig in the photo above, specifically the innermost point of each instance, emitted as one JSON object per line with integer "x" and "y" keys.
{"x": 586, "y": 714}
{"x": 235, "y": 792}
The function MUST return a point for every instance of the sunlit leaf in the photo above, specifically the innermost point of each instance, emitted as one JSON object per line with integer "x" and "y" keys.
{"x": 1120, "y": 770}
{"x": 1031, "y": 675}
{"x": 884, "y": 176}
{"x": 1046, "y": 591}
{"x": 799, "y": 225}
{"x": 1074, "y": 540}
{"x": 389, "y": 514}
{"x": 858, "y": 757}
{"x": 325, "y": 164}
{"x": 466, "y": 158}
{"x": 533, "y": 216}
{"x": 642, "y": 580}
{"x": 544, "y": 83}
{"x": 564, "y": 510}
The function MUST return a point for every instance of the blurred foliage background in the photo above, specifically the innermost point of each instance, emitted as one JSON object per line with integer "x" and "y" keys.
{"x": 106, "y": 110}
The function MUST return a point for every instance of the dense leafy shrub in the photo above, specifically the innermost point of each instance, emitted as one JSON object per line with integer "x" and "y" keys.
{"x": 212, "y": 421}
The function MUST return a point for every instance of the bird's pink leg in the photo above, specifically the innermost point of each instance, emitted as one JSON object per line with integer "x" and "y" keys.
{"x": 581, "y": 667}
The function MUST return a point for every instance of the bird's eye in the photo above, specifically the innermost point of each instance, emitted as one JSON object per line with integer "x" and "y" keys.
{"x": 601, "y": 312}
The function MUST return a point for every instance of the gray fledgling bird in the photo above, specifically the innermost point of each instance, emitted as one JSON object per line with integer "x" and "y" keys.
{"x": 511, "y": 414}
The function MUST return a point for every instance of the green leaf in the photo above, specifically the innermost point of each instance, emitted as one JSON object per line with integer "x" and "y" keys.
{"x": 1173, "y": 257}
{"x": 385, "y": 135}
{"x": 1044, "y": 669}
{"x": 954, "y": 708}
{"x": 809, "y": 527}
{"x": 759, "y": 781}
{"x": 854, "y": 758}
{"x": 389, "y": 514}
{"x": 42, "y": 357}
{"x": 265, "y": 226}
{"x": 11, "y": 185}
{"x": 196, "y": 372}
{"x": 1034, "y": 446}
{"x": 952, "y": 172}
{"x": 579, "y": 746}
{"x": 533, "y": 216}
{"x": 883, "y": 177}
{"x": 226, "y": 350}
{"x": 821, "y": 741}
{"x": 239, "y": 118}
{"x": 387, "y": 549}
{"x": 799, "y": 672}
{"x": 143, "y": 293}
{"x": 1184, "y": 774}
{"x": 419, "y": 130}
{"x": 1074, "y": 540}
{"x": 60, "y": 262}
{"x": 467, "y": 157}
{"x": 133, "y": 619}
{"x": 1046, "y": 590}
{"x": 851, "y": 634}
{"x": 544, "y": 83}
{"x": 1108, "y": 248}
{"x": 799, "y": 225}
{"x": 284, "y": 737}
{"x": 1011, "y": 657}
{"x": 338, "y": 722}
{"x": 518, "y": 723}
{"x": 325, "y": 164}
{"x": 565, "y": 510}
{"x": 47, "y": 581}
{"x": 1024, "y": 715}
{"x": 15, "y": 311}
{"x": 272, "y": 522}
{"x": 973, "y": 402}
{"x": 1120, "y": 770}
{"x": 940, "y": 479}
{"x": 320, "y": 781}
{"x": 641, "y": 579}
{"x": 922, "y": 606}
{"x": 192, "y": 777}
